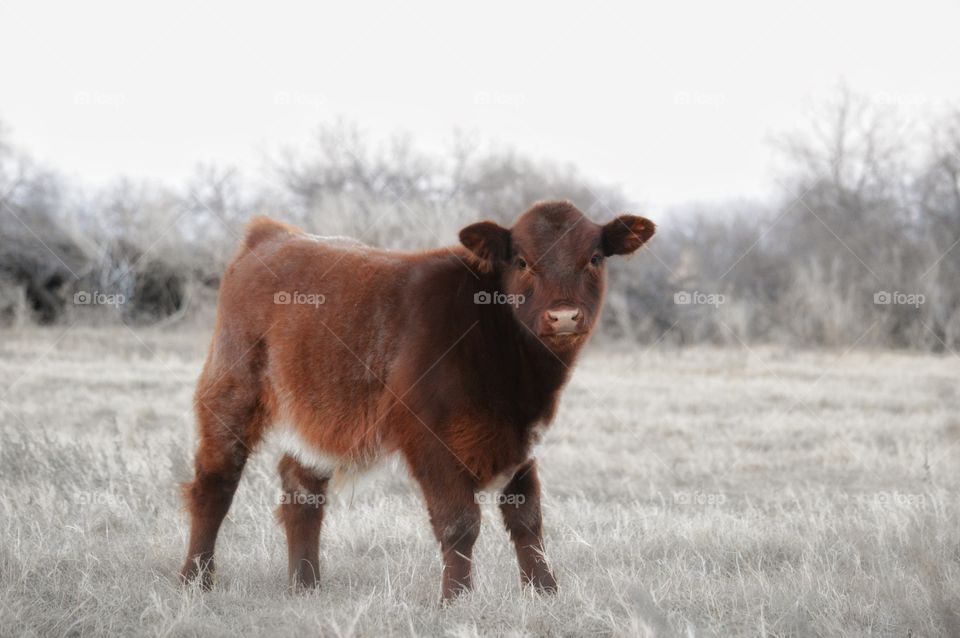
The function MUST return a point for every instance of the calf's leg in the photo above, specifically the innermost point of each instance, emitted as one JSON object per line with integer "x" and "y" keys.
{"x": 520, "y": 506}
{"x": 454, "y": 516}
{"x": 230, "y": 421}
{"x": 301, "y": 513}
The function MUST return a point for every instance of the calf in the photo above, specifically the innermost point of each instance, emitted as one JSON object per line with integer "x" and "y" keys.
{"x": 454, "y": 358}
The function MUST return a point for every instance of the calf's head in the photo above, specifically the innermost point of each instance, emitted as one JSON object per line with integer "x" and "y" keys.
{"x": 550, "y": 266}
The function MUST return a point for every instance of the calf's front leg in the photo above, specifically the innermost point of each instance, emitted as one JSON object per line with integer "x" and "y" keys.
{"x": 520, "y": 506}
{"x": 455, "y": 518}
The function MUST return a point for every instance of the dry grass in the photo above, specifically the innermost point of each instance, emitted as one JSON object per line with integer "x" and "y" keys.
{"x": 699, "y": 492}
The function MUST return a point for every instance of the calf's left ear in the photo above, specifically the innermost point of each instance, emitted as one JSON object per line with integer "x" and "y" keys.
{"x": 489, "y": 241}
{"x": 626, "y": 233}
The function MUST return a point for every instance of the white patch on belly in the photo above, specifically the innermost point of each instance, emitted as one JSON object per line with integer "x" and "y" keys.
{"x": 343, "y": 472}
{"x": 498, "y": 482}
{"x": 289, "y": 440}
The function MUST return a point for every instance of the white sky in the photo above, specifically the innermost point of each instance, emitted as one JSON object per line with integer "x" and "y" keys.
{"x": 675, "y": 102}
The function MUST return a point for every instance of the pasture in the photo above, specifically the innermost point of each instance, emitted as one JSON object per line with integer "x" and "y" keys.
{"x": 697, "y": 491}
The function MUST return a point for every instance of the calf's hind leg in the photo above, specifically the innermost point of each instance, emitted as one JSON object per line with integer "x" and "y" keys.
{"x": 230, "y": 420}
{"x": 301, "y": 513}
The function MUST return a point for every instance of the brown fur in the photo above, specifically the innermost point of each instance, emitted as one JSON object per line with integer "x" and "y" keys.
{"x": 399, "y": 357}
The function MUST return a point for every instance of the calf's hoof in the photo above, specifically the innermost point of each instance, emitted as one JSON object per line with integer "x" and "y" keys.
{"x": 304, "y": 583}
{"x": 544, "y": 583}
{"x": 196, "y": 572}
{"x": 453, "y": 591}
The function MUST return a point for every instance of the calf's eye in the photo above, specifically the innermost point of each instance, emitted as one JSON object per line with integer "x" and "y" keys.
{"x": 522, "y": 263}
{"x": 596, "y": 260}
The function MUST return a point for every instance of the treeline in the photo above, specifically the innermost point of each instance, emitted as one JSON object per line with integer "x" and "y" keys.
{"x": 860, "y": 247}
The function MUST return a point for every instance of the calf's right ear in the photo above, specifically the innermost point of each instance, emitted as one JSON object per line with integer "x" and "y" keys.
{"x": 488, "y": 241}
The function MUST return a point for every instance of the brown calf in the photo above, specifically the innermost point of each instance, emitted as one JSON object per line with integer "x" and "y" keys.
{"x": 453, "y": 358}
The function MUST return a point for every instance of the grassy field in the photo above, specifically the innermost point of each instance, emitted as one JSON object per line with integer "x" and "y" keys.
{"x": 687, "y": 492}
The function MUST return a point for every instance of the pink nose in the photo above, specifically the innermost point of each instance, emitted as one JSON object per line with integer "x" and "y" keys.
{"x": 564, "y": 320}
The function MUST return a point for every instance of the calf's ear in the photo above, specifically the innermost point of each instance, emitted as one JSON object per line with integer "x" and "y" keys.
{"x": 489, "y": 241}
{"x": 626, "y": 233}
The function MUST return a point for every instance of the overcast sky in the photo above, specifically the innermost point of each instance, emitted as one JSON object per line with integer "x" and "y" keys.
{"x": 675, "y": 102}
